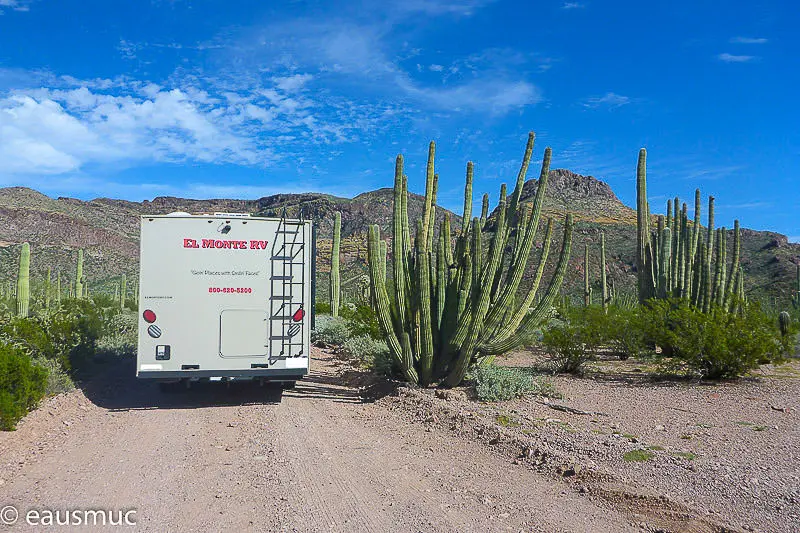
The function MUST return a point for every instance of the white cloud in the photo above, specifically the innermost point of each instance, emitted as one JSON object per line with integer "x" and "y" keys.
{"x": 609, "y": 100}
{"x": 351, "y": 56}
{"x": 748, "y": 40}
{"x": 730, "y": 58}
{"x": 15, "y": 5}
{"x": 795, "y": 239}
{"x": 573, "y": 5}
{"x": 293, "y": 83}
{"x": 61, "y": 130}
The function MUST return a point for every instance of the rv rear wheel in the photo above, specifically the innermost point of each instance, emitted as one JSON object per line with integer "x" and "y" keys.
{"x": 288, "y": 384}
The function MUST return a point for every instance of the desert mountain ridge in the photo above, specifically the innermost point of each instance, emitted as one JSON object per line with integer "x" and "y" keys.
{"x": 108, "y": 229}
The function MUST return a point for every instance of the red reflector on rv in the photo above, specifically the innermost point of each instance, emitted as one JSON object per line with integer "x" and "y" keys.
{"x": 149, "y": 316}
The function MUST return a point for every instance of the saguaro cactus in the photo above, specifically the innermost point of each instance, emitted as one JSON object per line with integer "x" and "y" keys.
{"x": 24, "y": 281}
{"x": 336, "y": 284}
{"x": 603, "y": 281}
{"x": 796, "y": 295}
{"x": 79, "y": 276}
{"x": 48, "y": 289}
{"x": 587, "y": 288}
{"x": 444, "y": 309}
{"x": 123, "y": 292}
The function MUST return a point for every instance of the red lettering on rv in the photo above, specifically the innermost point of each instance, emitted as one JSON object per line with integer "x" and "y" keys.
{"x": 229, "y": 245}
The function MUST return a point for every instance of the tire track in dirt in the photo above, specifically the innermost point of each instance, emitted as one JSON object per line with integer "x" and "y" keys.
{"x": 246, "y": 459}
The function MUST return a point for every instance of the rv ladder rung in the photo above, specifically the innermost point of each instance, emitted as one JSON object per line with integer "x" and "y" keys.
{"x": 282, "y": 277}
{"x": 281, "y": 297}
{"x": 295, "y": 232}
{"x": 281, "y": 317}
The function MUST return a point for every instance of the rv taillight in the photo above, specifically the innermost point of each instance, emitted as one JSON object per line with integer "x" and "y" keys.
{"x": 149, "y": 316}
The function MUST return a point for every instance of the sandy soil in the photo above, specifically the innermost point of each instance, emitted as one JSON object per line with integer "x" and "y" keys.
{"x": 719, "y": 456}
{"x": 247, "y": 458}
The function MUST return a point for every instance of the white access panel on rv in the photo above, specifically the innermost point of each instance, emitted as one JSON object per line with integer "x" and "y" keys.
{"x": 224, "y": 296}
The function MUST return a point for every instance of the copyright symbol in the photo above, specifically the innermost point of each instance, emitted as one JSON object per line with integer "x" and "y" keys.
{"x": 9, "y": 515}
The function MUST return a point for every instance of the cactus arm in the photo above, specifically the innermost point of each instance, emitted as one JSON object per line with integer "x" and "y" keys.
{"x": 516, "y": 318}
{"x": 429, "y": 196}
{"x": 737, "y": 249}
{"x": 424, "y": 309}
{"x": 441, "y": 282}
{"x": 401, "y": 353}
{"x": 522, "y": 334}
{"x": 466, "y": 216}
{"x": 523, "y": 171}
{"x": 484, "y": 210}
{"x": 432, "y": 215}
{"x": 478, "y": 314}
{"x": 399, "y": 252}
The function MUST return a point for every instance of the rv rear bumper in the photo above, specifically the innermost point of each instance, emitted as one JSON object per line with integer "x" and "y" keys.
{"x": 276, "y": 374}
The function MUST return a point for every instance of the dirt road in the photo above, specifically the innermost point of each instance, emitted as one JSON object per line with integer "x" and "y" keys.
{"x": 248, "y": 458}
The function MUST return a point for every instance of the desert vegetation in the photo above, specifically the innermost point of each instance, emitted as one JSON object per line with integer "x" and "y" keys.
{"x": 447, "y": 302}
{"x": 49, "y": 332}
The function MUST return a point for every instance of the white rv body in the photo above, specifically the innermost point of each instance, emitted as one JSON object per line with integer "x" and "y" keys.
{"x": 224, "y": 296}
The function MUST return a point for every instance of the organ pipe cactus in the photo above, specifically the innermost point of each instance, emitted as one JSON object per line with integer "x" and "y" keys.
{"x": 79, "y": 276}
{"x": 676, "y": 262}
{"x": 796, "y": 295}
{"x": 24, "y": 281}
{"x": 335, "y": 285}
{"x": 444, "y": 309}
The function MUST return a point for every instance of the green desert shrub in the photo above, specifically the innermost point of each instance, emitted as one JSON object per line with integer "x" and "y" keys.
{"x": 574, "y": 338}
{"x": 625, "y": 332}
{"x": 366, "y": 350}
{"x": 361, "y": 320}
{"x": 714, "y": 345}
{"x": 22, "y": 385}
{"x": 58, "y": 379}
{"x": 330, "y": 330}
{"x": 120, "y": 336}
{"x": 496, "y": 383}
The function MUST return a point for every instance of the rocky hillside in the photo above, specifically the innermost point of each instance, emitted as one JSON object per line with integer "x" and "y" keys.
{"x": 108, "y": 230}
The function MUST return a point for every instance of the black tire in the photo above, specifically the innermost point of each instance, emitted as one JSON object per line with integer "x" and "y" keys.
{"x": 288, "y": 385}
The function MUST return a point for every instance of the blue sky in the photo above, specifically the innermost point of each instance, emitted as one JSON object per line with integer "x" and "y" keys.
{"x": 248, "y": 98}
